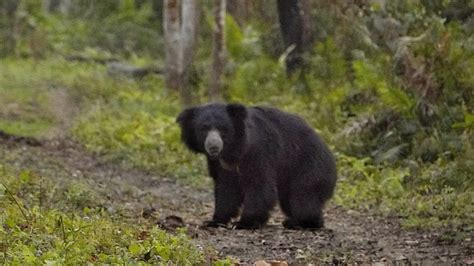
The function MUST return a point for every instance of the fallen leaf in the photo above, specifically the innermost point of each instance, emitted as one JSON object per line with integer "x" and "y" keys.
{"x": 261, "y": 263}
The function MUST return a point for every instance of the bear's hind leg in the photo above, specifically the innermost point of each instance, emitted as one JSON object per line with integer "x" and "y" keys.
{"x": 305, "y": 207}
{"x": 314, "y": 221}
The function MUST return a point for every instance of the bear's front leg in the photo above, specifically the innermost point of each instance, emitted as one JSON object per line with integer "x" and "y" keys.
{"x": 259, "y": 199}
{"x": 228, "y": 198}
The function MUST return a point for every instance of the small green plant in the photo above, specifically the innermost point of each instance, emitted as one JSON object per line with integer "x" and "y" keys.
{"x": 369, "y": 77}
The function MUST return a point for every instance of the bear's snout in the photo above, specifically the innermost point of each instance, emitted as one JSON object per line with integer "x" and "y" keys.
{"x": 213, "y": 143}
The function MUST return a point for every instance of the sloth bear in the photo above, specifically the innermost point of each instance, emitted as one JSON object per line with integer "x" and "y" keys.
{"x": 256, "y": 156}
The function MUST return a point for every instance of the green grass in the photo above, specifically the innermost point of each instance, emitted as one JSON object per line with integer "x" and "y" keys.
{"x": 44, "y": 223}
{"x": 26, "y": 128}
{"x": 24, "y": 103}
{"x": 28, "y": 100}
{"x": 25, "y": 111}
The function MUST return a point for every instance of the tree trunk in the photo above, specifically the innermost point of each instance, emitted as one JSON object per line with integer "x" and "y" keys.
{"x": 218, "y": 63}
{"x": 8, "y": 21}
{"x": 294, "y": 25}
{"x": 190, "y": 19}
{"x": 173, "y": 50}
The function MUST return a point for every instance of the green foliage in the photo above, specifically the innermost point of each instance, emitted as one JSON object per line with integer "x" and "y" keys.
{"x": 261, "y": 74}
{"x": 24, "y": 102}
{"x": 370, "y": 78}
{"x": 241, "y": 43}
{"x": 329, "y": 65}
{"x": 415, "y": 195}
{"x": 120, "y": 28}
{"x": 42, "y": 223}
{"x": 467, "y": 123}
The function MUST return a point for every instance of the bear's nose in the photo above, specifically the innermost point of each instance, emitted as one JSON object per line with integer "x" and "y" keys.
{"x": 213, "y": 143}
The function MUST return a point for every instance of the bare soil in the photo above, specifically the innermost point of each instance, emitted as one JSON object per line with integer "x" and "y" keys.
{"x": 349, "y": 236}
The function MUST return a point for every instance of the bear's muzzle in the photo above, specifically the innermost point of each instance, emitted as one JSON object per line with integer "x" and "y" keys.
{"x": 213, "y": 143}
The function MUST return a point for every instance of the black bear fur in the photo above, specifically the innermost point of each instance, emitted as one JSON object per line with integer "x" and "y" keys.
{"x": 268, "y": 156}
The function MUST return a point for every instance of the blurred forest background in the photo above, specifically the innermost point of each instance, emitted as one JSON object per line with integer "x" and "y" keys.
{"x": 388, "y": 84}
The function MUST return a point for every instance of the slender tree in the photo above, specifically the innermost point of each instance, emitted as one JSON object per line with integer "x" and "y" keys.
{"x": 180, "y": 21}
{"x": 218, "y": 51}
{"x": 190, "y": 21}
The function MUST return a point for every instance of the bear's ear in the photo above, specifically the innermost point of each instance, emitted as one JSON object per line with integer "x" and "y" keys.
{"x": 185, "y": 121}
{"x": 237, "y": 111}
{"x": 186, "y": 116}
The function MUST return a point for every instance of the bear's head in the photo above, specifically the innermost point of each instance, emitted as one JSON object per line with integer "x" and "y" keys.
{"x": 217, "y": 130}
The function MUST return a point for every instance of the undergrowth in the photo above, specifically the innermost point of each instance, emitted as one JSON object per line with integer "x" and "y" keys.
{"x": 24, "y": 102}
{"x": 43, "y": 223}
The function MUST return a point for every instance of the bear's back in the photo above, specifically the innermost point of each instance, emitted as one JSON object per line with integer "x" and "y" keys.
{"x": 288, "y": 125}
{"x": 289, "y": 140}
{"x": 282, "y": 134}
{"x": 294, "y": 148}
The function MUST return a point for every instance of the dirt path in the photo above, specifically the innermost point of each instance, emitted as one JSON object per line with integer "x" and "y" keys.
{"x": 349, "y": 237}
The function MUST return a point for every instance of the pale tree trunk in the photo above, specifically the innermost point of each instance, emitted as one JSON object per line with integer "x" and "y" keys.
{"x": 218, "y": 52}
{"x": 180, "y": 20}
{"x": 190, "y": 19}
{"x": 173, "y": 50}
